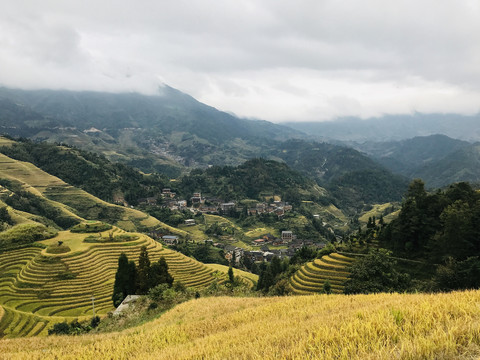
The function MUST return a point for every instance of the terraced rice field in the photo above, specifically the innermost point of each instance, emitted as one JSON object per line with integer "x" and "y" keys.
{"x": 36, "y": 287}
{"x": 312, "y": 276}
{"x": 74, "y": 202}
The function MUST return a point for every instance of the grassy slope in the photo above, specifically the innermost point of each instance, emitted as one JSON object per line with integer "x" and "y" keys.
{"x": 377, "y": 210}
{"x": 250, "y": 278}
{"x": 383, "y": 326}
{"x": 18, "y": 217}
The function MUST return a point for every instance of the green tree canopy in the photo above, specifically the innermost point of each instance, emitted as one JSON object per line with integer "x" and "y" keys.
{"x": 143, "y": 271}
{"x": 158, "y": 274}
{"x": 121, "y": 286}
{"x": 375, "y": 273}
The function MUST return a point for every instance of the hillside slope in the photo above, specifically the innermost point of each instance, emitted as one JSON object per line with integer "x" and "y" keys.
{"x": 351, "y": 178}
{"x": 405, "y": 156}
{"x": 382, "y": 326}
{"x": 73, "y": 201}
{"x": 460, "y": 165}
{"x": 162, "y": 132}
{"x": 312, "y": 276}
{"x": 39, "y": 288}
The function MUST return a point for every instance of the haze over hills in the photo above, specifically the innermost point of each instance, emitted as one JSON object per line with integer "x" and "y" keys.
{"x": 393, "y": 127}
{"x": 437, "y": 159}
{"x": 461, "y": 165}
{"x": 161, "y": 133}
{"x": 172, "y": 131}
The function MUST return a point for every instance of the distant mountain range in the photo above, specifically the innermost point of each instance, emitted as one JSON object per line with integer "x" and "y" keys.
{"x": 393, "y": 127}
{"x": 171, "y": 132}
{"x": 437, "y": 159}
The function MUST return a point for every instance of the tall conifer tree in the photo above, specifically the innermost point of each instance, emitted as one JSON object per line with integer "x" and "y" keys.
{"x": 143, "y": 271}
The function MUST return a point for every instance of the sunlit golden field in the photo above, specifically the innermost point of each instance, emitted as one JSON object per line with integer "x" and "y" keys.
{"x": 385, "y": 326}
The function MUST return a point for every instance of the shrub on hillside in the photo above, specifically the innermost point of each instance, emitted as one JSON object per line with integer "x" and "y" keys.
{"x": 75, "y": 327}
{"x": 66, "y": 275}
{"x": 91, "y": 227}
{"x": 110, "y": 238}
{"x": 25, "y": 234}
{"x": 58, "y": 249}
{"x": 374, "y": 273}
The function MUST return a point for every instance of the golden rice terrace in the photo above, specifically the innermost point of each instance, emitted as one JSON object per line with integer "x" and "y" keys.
{"x": 312, "y": 276}
{"x": 38, "y": 289}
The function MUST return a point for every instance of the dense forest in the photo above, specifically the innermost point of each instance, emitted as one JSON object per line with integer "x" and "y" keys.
{"x": 350, "y": 177}
{"x": 440, "y": 228}
{"x": 250, "y": 180}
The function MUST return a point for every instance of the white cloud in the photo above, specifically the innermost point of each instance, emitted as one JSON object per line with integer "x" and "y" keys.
{"x": 273, "y": 59}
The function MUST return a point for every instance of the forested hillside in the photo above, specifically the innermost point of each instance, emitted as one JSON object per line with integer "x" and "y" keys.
{"x": 89, "y": 171}
{"x": 352, "y": 178}
{"x": 323, "y": 172}
{"x": 155, "y": 133}
{"x": 460, "y": 165}
{"x": 440, "y": 228}
{"x": 252, "y": 179}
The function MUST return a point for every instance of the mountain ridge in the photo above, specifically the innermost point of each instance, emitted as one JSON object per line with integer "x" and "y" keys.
{"x": 437, "y": 159}
{"x": 393, "y": 127}
{"x": 173, "y": 133}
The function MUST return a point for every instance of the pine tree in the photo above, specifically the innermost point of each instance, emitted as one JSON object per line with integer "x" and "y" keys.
{"x": 268, "y": 279}
{"x": 327, "y": 287}
{"x": 121, "y": 284}
{"x": 381, "y": 222}
{"x": 143, "y": 271}
{"x": 159, "y": 274}
{"x": 261, "y": 276}
{"x": 230, "y": 275}
{"x": 370, "y": 224}
{"x": 276, "y": 266}
{"x": 132, "y": 278}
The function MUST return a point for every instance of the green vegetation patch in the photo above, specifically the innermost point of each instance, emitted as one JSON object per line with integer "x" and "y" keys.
{"x": 58, "y": 249}
{"x": 66, "y": 275}
{"x": 91, "y": 227}
{"x": 44, "y": 294}
{"x": 48, "y": 259}
{"x": 110, "y": 238}
{"x": 25, "y": 234}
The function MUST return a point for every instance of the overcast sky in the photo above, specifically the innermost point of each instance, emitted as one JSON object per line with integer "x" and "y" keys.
{"x": 275, "y": 60}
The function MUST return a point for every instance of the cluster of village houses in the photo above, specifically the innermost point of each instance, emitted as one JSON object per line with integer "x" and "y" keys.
{"x": 216, "y": 206}
{"x": 263, "y": 253}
